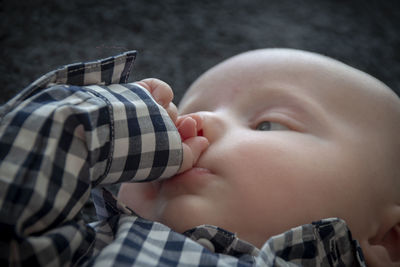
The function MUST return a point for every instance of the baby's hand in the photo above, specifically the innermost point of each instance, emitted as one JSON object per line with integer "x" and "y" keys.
{"x": 162, "y": 93}
{"x": 189, "y": 127}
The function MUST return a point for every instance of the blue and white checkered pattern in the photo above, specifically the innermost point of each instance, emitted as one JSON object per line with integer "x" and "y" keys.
{"x": 83, "y": 126}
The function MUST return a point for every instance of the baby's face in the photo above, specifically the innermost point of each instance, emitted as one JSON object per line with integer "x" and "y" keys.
{"x": 294, "y": 137}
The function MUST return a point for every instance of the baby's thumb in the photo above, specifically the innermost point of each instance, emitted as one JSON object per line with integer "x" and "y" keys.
{"x": 192, "y": 149}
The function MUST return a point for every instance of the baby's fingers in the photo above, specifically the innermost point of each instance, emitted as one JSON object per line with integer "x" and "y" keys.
{"x": 189, "y": 125}
{"x": 192, "y": 149}
{"x": 160, "y": 90}
{"x": 162, "y": 93}
{"x": 187, "y": 128}
{"x": 172, "y": 111}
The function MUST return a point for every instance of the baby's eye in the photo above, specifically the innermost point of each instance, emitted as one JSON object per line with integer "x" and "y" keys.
{"x": 271, "y": 126}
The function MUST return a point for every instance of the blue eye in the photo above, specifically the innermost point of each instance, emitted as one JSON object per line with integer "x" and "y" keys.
{"x": 271, "y": 126}
{"x": 264, "y": 126}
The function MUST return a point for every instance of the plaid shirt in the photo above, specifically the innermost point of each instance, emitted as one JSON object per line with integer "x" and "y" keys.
{"x": 83, "y": 126}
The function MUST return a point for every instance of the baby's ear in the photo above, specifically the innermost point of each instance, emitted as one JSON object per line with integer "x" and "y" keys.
{"x": 385, "y": 250}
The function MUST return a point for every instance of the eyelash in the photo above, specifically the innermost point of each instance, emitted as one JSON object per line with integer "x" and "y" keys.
{"x": 281, "y": 118}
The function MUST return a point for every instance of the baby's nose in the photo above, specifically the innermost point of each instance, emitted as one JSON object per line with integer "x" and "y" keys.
{"x": 213, "y": 125}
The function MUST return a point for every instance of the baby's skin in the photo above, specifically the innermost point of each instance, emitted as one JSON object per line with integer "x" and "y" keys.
{"x": 278, "y": 138}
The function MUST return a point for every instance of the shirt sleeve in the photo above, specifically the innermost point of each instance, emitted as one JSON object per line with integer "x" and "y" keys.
{"x": 56, "y": 145}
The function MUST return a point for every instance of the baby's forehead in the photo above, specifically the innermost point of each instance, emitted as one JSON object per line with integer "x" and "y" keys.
{"x": 302, "y": 73}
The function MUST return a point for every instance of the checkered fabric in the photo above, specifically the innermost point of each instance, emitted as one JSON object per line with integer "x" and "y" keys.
{"x": 83, "y": 126}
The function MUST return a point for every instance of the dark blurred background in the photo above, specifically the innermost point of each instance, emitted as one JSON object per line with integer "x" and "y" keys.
{"x": 177, "y": 40}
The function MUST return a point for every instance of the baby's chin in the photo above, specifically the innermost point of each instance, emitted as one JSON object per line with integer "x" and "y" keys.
{"x": 140, "y": 197}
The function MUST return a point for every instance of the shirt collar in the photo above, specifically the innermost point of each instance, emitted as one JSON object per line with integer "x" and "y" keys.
{"x": 221, "y": 241}
{"x": 328, "y": 240}
{"x": 324, "y": 242}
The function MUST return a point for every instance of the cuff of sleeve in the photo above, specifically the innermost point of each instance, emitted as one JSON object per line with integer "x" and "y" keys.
{"x": 145, "y": 144}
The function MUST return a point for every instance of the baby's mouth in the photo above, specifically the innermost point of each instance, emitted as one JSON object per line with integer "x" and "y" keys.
{"x": 193, "y": 173}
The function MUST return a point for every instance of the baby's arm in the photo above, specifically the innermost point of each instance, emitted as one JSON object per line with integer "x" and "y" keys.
{"x": 188, "y": 125}
{"x": 62, "y": 142}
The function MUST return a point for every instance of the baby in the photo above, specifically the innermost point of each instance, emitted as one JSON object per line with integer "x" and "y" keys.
{"x": 271, "y": 147}
{"x": 293, "y": 137}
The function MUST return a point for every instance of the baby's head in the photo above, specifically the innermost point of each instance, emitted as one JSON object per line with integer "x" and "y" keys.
{"x": 294, "y": 137}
